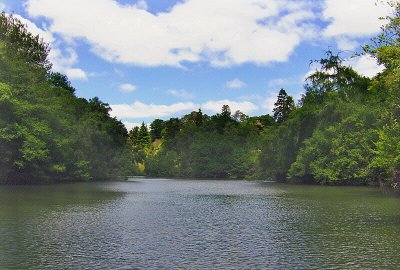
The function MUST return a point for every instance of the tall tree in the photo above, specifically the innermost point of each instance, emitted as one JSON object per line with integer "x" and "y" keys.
{"x": 156, "y": 128}
{"x": 133, "y": 136}
{"x": 283, "y": 106}
{"x": 143, "y": 135}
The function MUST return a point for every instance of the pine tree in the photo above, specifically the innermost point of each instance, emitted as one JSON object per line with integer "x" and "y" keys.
{"x": 283, "y": 106}
{"x": 143, "y": 137}
{"x": 133, "y": 136}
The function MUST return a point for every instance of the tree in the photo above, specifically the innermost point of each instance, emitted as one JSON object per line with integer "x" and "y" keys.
{"x": 41, "y": 139}
{"x": 19, "y": 42}
{"x": 339, "y": 153}
{"x": 226, "y": 111}
{"x": 156, "y": 128}
{"x": 199, "y": 119}
{"x": 333, "y": 76}
{"x": 283, "y": 106}
{"x": 170, "y": 133}
{"x": 60, "y": 81}
{"x": 143, "y": 137}
{"x": 239, "y": 116}
{"x": 133, "y": 136}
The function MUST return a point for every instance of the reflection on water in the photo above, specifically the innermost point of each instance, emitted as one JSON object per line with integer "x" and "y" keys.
{"x": 197, "y": 224}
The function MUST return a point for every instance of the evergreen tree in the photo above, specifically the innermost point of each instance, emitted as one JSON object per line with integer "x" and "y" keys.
{"x": 283, "y": 106}
{"x": 143, "y": 137}
{"x": 133, "y": 136}
{"x": 226, "y": 112}
{"x": 199, "y": 118}
{"x": 156, "y": 128}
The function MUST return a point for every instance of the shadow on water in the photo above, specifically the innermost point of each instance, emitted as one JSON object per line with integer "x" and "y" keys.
{"x": 191, "y": 224}
{"x": 31, "y": 215}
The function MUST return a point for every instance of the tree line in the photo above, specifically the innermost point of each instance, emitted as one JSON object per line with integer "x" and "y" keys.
{"x": 344, "y": 130}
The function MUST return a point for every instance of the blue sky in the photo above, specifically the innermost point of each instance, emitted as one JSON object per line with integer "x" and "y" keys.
{"x": 164, "y": 58}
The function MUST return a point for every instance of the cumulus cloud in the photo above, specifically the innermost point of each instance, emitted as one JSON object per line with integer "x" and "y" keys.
{"x": 346, "y": 44}
{"x": 183, "y": 94}
{"x": 365, "y": 65}
{"x": 246, "y": 107}
{"x": 130, "y": 125}
{"x": 221, "y": 32}
{"x": 355, "y": 17}
{"x": 127, "y": 87}
{"x": 63, "y": 62}
{"x": 142, "y": 110}
{"x": 235, "y": 84}
{"x": 139, "y": 110}
{"x": 269, "y": 103}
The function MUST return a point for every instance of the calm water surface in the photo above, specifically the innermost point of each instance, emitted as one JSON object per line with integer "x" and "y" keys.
{"x": 185, "y": 224}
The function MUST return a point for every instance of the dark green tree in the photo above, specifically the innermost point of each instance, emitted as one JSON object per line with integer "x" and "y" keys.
{"x": 199, "y": 119}
{"x": 156, "y": 128}
{"x": 60, "y": 81}
{"x": 133, "y": 136}
{"x": 284, "y": 106}
{"x": 143, "y": 137}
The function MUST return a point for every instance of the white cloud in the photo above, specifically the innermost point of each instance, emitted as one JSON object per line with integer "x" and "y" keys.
{"x": 2, "y": 6}
{"x": 353, "y": 17}
{"x": 269, "y": 103}
{"x": 127, "y": 87}
{"x": 130, "y": 125}
{"x": 183, "y": 94}
{"x": 75, "y": 73}
{"x": 346, "y": 44}
{"x": 235, "y": 84}
{"x": 139, "y": 110}
{"x": 220, "y": 32}
{"x": 246, "y": 107}
{"x": 63, "y": 62}
{"x": 365, "y": 65}
{"x": 142, "y": 110}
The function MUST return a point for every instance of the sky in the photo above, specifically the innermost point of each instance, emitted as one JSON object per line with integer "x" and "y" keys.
{"x": 153, "y": 59}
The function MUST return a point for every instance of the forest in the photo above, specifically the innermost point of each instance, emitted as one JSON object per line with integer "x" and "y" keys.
{"x": 47, "y": 134}
{"x": 344, "y": 130}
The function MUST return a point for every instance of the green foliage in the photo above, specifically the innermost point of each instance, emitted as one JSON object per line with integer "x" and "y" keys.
{"x": 345, "y": 129}
{"x": 339, "y": 153}
{"x": 284, "y": 106}
{"x": 41, "y": 139}
{"x": 156, "y": 128}
{"x": 199, "y": 146}
{"x": 387, "y": 156}
{"x": 213, "y": 155}
{"x": 163, "y": 164}
{"x": 143, "y": 136}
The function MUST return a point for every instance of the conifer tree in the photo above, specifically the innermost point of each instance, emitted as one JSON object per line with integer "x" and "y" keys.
{"x": 283, "y": 106}
{"x": 143, "y": 135}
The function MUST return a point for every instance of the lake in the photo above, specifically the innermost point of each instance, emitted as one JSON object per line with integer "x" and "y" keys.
{"x": 192, "y": 224}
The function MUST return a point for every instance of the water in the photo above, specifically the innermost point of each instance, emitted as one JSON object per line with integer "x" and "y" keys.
{"x": 185, "y": 224}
